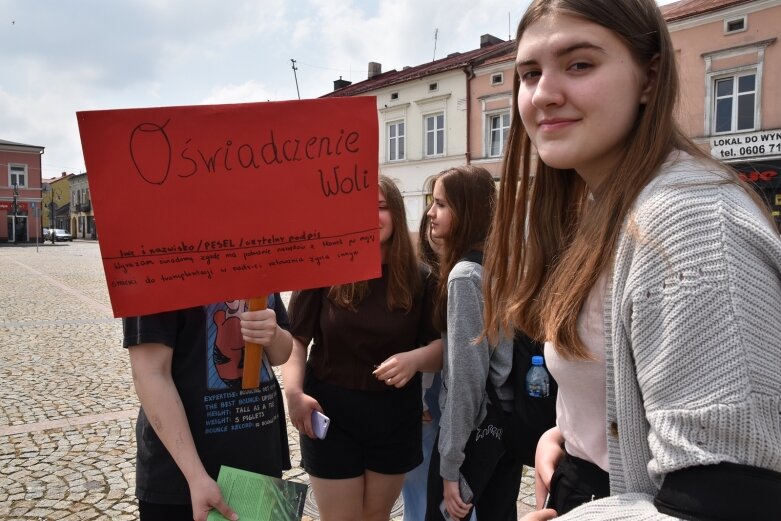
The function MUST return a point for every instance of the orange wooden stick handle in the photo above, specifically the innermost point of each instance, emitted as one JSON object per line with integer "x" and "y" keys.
{"x": 253, "y": 353}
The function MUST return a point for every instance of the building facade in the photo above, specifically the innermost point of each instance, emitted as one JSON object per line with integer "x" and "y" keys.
{"x": 56, "y": 202}
{"x": 424, "y": 118}
{"x": 491, "y": 89}
{"x": 20, "y": 192}
{"x": 730, "y": 66}
{"x": 82, "y": 217}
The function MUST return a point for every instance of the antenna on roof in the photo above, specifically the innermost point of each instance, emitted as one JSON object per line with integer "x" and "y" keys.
{"x": 509, "y": 30}
{"x": 436, "y": 32}
{"x": 295, "y": 76}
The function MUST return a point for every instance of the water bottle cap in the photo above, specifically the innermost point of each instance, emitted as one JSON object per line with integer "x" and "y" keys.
{"x": 537, "y": 360}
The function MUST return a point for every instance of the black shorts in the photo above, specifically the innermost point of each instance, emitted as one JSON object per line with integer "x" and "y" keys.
{"x": 376, "y": 431}
{"x": 575, "y": 482}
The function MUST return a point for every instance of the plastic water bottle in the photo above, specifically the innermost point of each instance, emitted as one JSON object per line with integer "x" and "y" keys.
{"x": 537, "y": 382}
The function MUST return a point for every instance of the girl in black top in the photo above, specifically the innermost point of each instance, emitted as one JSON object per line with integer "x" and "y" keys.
{"x": 362, "y": 373}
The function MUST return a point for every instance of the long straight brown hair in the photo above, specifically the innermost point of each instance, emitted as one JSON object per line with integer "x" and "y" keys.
{"x": 547, "y": 246}
{"x": 404, "y": 282}
{"x": 470, "y": 193}
{"x": 426, "y": 253}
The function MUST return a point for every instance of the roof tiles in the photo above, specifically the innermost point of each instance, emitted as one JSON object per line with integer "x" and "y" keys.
{"x": 690, "y": 8}
{"x": 449, "y": 63}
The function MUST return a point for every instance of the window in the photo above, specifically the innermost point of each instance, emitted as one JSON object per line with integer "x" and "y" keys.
{"x": 735, "y": 25}
{"x": 433, "y": 86}
{"x": 394, "y": 96}
{"x": 395, "y": 141}
{"x": 497, "y": 79}
{"x": 498, "y": 128}
{"x": 434, "y": 126}
{"x": 735, "y": 103}
{"x": 17, "y": 175}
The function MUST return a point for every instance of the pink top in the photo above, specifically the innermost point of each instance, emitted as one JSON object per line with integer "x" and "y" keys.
{"x": 581, "y": 410}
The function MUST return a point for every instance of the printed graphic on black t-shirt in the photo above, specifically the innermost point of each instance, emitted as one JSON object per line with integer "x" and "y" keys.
{"x": 226, "y": 406}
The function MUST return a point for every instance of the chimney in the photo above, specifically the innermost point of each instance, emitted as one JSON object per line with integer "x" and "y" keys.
{"x": 487, "y": 40}
{"x": 375, "y": 69}
{"x": 340, "y": 83}
{"x": 63, "y": 174}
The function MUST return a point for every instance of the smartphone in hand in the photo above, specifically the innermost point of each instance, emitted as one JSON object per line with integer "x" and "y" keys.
{"x": 466, "y": 496}
{"x": 320, "y": 423}
{"x": 463, "y": 488}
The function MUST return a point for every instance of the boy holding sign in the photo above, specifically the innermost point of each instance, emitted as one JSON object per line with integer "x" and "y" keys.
{"x": 194, "y": 417}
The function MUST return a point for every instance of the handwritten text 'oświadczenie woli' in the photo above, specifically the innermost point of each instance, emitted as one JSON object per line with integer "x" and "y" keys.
{"x": 187, "y": 159}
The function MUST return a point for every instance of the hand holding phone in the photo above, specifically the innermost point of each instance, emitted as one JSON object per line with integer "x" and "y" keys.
{"x": 320, "y": 423}
{"x": 464, "y": 490}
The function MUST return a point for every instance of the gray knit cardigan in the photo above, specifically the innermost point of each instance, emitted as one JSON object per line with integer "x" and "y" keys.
{"x": 693, "y": 337}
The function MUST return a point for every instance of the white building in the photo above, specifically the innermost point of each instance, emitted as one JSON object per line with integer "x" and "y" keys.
{"x": 423, "y": 118}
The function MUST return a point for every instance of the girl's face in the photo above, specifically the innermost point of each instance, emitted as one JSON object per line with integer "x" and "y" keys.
{"x": 440, "y": 214}
{"x": 386, "y": 221}
{"x": 580, "y": 93}
{"x": 435, "y": 243}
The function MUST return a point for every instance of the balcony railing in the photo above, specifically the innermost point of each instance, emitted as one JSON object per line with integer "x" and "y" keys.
{"x": 82, "y": 207}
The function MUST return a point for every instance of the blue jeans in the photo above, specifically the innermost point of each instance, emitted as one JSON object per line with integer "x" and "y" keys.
{"x": 414, "y": 489}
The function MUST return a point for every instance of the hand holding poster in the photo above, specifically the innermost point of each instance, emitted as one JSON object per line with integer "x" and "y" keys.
{"x": 201, "y": 204}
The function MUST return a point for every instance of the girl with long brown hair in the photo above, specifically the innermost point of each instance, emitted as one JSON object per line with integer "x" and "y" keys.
{"x": 362, "y": 372}
{"x": 464, "y": 199}
{"x": 650, "y": 271}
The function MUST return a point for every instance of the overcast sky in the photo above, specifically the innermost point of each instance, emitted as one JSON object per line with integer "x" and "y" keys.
{"x": 58, "y": 57}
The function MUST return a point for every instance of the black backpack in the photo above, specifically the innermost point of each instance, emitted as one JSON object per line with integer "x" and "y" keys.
{"x": 531, "y": 416}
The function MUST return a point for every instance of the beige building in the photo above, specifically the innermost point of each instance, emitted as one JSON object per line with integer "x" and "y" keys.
{"x": 81, "y": 215}
{"x": 56, "y": 202}
{"x": 730, "y": 64}
{"x": 424, "y": 118}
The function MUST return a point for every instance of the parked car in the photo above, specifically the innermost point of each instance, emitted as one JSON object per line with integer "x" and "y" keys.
{"x": 46, "y": 232}
{"x": 60, "y": 235}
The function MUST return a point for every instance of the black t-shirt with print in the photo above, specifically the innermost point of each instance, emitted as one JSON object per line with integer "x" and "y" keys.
{"x": 230, "y": 426}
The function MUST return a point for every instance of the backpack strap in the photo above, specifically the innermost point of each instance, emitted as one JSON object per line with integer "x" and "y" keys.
{"x": 491, "y": 390}
{"x": 473, "y": 256}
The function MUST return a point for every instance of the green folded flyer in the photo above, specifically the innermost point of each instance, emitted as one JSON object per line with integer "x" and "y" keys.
{"x": 257, "y": 497}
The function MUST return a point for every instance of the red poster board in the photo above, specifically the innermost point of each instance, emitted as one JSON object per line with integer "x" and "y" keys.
{"x": 203, "y": 204}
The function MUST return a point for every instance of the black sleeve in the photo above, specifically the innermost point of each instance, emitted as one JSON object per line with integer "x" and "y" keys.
{"x": 428, "y": 332}
{"x": 305, "y": 306}
{"x": 159, "y": 328}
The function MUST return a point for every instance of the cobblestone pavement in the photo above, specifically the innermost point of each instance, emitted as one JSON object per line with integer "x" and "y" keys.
{"x": 67, "y": 404}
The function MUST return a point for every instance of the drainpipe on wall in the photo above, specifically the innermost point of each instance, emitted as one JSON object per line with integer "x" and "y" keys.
{"x": 470, "y": 73}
